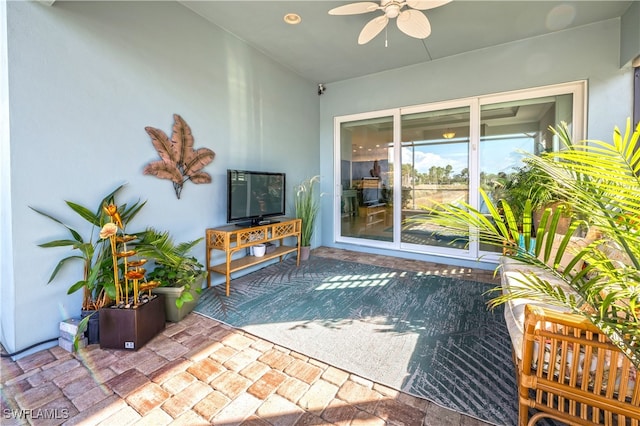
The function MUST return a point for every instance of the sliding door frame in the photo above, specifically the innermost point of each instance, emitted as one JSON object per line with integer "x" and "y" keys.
{"x": 577, "y": 89}
{"x": 337, "y": 199}
{"x": 472, "y": 104}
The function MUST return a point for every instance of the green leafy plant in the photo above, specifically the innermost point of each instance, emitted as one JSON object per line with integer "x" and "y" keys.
{"x": 602, "y": 182}
{"x": 174, "y": 267}
{"x": 528, "y": 183}
{"x": 179, "y": 162}
{"x": 307, "y": 206}
{"x": 93, "y": 253}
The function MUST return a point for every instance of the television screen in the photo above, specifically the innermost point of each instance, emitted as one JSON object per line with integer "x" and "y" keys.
{"x": 253, "y": 196}
{"x": 370, "y": 196}
{"x": 370, "y": 191}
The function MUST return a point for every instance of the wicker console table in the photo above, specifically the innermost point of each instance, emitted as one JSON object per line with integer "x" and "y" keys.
{"x": 231, "y": 239}
{"x": 373, "y": 214}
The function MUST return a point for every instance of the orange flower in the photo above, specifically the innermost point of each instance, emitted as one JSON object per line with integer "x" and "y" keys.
{"x": 112, "y": 211}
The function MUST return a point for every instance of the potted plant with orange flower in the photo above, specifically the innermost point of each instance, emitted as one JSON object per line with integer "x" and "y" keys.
{"x": 93, "y": 254}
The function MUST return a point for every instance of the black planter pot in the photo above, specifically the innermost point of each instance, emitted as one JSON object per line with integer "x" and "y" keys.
{"x": 93, "y": 327}
{"x": 131, "y": 329}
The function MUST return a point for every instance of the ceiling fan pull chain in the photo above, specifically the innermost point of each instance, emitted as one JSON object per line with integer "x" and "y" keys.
{"x": 386, "y": 44}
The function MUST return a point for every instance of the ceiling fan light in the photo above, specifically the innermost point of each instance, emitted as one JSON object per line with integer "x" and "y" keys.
{"x": 392, "y": 11}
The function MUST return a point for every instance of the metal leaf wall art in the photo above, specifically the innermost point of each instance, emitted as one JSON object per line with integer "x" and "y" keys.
{"x": 179, "y": 162}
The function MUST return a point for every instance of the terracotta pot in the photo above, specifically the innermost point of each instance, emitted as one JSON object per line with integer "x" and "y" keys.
{"x": 304, "y": 252}
{"x": 563, "y": 223}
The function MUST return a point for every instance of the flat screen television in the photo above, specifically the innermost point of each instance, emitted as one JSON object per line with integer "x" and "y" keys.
{"x": 254, "y": 197}
{"x": 370, "y": 196}
{"x": 370, "y": 191}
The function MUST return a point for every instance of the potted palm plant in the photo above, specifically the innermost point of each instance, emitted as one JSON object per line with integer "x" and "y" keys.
{"x": 306, "y": 206}
{"x": 179, "y": 274}
{"x": 602, "y": 182}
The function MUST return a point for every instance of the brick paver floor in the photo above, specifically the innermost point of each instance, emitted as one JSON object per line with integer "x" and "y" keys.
{"x": 202, "y": 372}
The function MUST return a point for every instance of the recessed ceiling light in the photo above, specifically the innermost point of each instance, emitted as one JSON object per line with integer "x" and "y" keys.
{"x": 292, "y": 18}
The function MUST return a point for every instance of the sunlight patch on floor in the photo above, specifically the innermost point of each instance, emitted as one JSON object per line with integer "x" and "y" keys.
{"x": 355, "y": 281}
{"x": 444, "y": 272}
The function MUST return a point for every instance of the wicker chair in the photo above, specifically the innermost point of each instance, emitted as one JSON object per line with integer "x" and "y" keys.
{"x": 597, "y": 387}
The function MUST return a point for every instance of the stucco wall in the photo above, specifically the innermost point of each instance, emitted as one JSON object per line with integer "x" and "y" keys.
{"x": 85, "y": 79}
{"x": 630, "y": 34}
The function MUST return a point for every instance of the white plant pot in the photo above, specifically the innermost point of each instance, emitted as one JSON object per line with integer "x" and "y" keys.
{"x": 259, "y": 250}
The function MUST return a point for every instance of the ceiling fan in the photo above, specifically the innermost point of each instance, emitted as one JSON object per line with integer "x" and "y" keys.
{"x": 410, "y": 21}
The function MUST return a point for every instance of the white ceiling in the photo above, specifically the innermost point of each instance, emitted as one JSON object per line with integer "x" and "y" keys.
{"x": 324, "y": 48}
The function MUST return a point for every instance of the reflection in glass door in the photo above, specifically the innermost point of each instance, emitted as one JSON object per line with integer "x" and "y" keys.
{"x": 435, "y": 170}
{"x": 366, "y": 170}
{"x": 508, "y": 129}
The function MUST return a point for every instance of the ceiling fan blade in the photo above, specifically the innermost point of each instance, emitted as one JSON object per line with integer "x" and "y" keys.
{"x": 354, "y": 8}
{"x": 426, "y": 4}
{"x": 414, "y": 23}
{"x": 372, "y": 29}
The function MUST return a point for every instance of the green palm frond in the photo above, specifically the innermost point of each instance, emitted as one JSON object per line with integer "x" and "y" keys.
{"x": 601, "y": 181}
{"x": 177, "y": 266}
{"x": 160, "y": 247}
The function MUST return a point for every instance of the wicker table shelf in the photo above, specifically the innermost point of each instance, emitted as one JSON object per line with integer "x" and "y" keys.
{"x": 373, "y": 214}
{"x": 231, "y": 239}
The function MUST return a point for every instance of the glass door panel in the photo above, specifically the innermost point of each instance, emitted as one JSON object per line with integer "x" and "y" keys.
{"x": 435, "y": 169}
{"x": 366, "y": 170}
{"x": 509, "y": 128}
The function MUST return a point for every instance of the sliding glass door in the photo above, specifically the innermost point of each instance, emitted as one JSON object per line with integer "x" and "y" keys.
{"x": 510, "y": 129}
{"x": 366, "y": 179}
{"x": 446, "y": 152}
{"x": 435, "y": 170}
